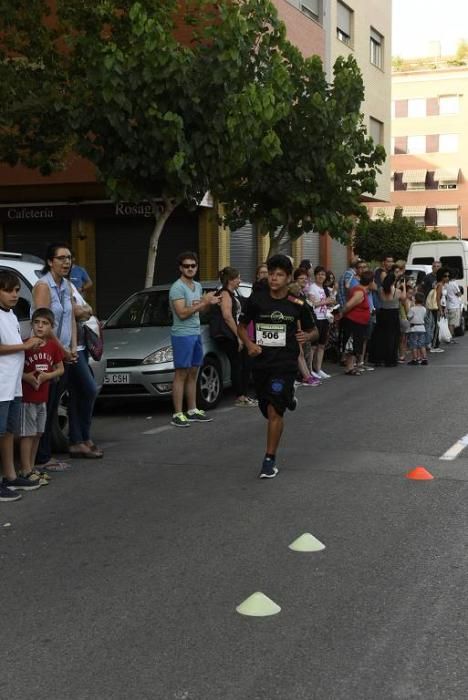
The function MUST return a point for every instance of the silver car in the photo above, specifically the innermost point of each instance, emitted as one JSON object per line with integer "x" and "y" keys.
{"x": 138, "y": 351}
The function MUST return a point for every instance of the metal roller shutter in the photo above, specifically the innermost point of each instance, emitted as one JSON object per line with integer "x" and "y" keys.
{"x": 311, "y": 247}
{"x": 243, "y": 251}
{"x": 34, "y": 236}
{"x": 339, "y": 258}
{"x": 121, "y": 255}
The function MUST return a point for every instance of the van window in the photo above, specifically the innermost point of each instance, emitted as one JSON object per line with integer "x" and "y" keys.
{"x": 453, "y": 262}
{"x": 422, "y": 261}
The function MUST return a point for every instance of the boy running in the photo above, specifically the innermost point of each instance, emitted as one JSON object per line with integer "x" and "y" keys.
{"x": 41, "y": 366}
{"x": 282, "y": 322}
{"x": 11, "y": 369}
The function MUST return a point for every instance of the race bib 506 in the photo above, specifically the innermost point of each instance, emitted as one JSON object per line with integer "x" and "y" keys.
{"x": 271, "y": 335}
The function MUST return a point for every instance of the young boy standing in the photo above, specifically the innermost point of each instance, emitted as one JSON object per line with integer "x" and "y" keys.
{"x": 282, "y": 322}
{"x": 41, "y": 366}
{"x": 417, "y": 331}
{"x": 12, "y": 351}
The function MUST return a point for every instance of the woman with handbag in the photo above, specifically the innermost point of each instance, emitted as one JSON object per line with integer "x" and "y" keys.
{"x": 53, "y": 291}
{"x": 223, "y": 328}
{"x": 82, "y": 389}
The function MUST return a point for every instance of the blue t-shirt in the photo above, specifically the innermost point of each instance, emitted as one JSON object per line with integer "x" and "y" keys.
{"x": 190, "y": 325}
{"x": 79, "y": 276}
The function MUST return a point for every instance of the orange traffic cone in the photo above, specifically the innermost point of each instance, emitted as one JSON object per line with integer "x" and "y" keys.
{"x": 419, "y": 474}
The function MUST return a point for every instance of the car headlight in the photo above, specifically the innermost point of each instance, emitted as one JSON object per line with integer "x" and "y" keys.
{"x": 159, "y": 357}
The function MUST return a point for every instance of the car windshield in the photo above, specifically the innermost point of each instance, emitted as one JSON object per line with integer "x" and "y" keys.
{"x": 143, "y": 309}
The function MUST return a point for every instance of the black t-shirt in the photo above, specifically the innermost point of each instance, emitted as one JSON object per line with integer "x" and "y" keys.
{"x": 275, "y": 327}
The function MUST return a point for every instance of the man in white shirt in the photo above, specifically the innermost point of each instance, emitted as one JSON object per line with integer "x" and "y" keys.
{"x": 453, "y": 303}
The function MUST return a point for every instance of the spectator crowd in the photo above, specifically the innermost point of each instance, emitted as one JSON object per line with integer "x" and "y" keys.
{"x": 365, "y": 319}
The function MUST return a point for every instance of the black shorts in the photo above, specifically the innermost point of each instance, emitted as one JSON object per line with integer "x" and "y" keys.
{"x": 323, "y": 327}
{"x": 356, "y": 331}
{"x": 275, "y": 388}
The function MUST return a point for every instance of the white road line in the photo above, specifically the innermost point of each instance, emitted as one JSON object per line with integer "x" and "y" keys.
{"x": 456, "y": 449}
{"x": 161, "y": 429}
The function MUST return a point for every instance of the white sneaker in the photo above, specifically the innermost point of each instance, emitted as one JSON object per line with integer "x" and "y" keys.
{"x": 323, "y": 375}
{"x": 316, "y": 375}
{"x": 436, "y": 350}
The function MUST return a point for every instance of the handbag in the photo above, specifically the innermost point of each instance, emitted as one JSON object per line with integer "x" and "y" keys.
{"x": 431, "y": 300}
{"x": 218, "y": 326}
{"x": 93, "y": 342}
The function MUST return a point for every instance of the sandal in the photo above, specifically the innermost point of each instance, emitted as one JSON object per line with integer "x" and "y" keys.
{"x": 54, "y": 466}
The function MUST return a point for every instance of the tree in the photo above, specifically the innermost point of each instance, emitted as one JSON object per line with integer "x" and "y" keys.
{"x": 164, "y": 120}
{"x": 373, "y": 239}
{"x": 325, "y": 163}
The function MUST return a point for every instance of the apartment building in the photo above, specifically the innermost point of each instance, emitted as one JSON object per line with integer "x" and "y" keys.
{"x": 430, "y": 147}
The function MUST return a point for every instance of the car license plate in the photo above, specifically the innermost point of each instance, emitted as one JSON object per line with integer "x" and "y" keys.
{"x": 117, "y": 378}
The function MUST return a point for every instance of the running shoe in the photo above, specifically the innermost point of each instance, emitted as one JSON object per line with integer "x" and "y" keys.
{"x": 21, "y": 484}
{"x": 269, "y": 469}
{"x": 323, "y": 375}
{"x": 316, "y": 375}
{"x": 246, "y": 401}
{"x": 311, "y": 381}
{"x": 413, "y": 362}
{"x": 180, "y": 420}
{"x": 7, "y": 495}
{"x": 424, "y": 362}
{"x": 436, "y": 350}
{"x": 197, "y": 416}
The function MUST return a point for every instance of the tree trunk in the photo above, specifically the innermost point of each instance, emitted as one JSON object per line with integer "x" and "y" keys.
{"x": 276, "y": 240}
{"x": 161, "y": 214}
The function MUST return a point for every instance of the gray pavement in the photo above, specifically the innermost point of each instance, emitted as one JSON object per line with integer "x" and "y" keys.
{"x": 121, "y": 578}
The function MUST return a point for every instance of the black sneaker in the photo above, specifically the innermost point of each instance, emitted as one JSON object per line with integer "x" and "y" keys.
{"x": 413, "y": 362}
{"x": 198, "y": 416}
{"x": 269, "y": 469}
{"x": 180, "y": 420}
{"x": 424, "y": 362}
{"x": 21, "y": 484}
{"x": 6, "y": 495}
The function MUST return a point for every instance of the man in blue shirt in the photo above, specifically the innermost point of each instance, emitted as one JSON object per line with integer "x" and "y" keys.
{"x": 80, "y": 278}
{"x": 186, "y": 300}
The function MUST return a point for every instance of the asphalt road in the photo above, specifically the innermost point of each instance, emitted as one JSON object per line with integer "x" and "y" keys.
{"x": 120, "y": 579}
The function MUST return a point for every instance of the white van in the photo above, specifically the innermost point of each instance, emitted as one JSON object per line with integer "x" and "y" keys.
{"x": 452, "y": 254}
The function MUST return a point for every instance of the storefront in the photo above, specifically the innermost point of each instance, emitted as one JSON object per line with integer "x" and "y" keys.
{"x": 109, "y": 239}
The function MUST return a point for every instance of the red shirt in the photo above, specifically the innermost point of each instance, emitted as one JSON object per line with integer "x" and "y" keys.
{"x": 40, "y": 360}
{"x": 361, "y": 312}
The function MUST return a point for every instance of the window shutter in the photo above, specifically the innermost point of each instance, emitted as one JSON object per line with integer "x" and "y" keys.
{"x": 401, "y": 108}
{"x": 432, "y": 143}
{"x": 432, "y": 106}
{"x": 401, "y": 144}
{"x": 344, "y": 19}
{"x": 398, "y": 184}
{"x": 431, "y": 217}
{"x": 431, "y": 182}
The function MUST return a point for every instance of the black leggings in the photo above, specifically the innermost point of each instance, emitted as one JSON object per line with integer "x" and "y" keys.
{"x": 240, "y": 364}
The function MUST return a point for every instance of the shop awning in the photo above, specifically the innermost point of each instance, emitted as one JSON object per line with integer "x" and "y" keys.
{"x": 381, "y": 213}
{"x": 447, "y": 206}
{"x": 447, "y": 175}
{"x": 414, "y": 176}
{"x": 410, "y": 212}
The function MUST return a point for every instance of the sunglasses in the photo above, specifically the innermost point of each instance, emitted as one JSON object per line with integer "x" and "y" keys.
{"x": 189, "y": 265}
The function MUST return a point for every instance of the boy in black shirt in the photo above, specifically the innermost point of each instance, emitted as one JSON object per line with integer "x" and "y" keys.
{"x": 281, "y": 322}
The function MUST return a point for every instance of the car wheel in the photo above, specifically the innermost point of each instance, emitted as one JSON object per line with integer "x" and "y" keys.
{"x": 60, "y": 425}
{"x": 461, "y": 328}
{"x": 209, "y": 385}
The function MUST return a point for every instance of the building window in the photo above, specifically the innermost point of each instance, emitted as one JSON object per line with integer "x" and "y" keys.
{"x": 448, "y": 143}
{"x": 417, "y": 107}
{"x": 376, "y": 130}
{"x": 400, "y": 145}
{"x": 447, "y": 217}
{"x": 376, "y": 48}
{"x": 344, "y": 27}
{"x": 401, "y": 108}
{"x": 448, "y": 104}
{"x": 312, "y": 8}
{"x": 448, "y": 186}
{"x": 416, "y": 144}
